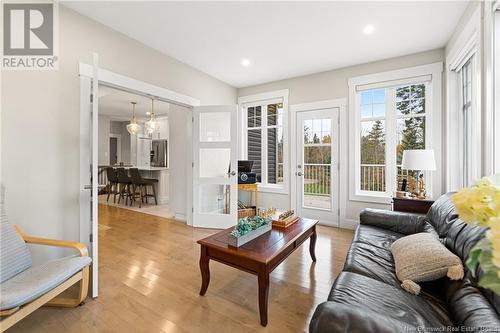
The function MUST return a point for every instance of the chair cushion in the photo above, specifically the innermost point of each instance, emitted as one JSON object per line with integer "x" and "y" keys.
{"x": 15, "y": 256}
{"x": 38, "y": 280}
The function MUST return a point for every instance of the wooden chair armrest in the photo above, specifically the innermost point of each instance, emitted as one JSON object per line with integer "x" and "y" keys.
{"x": 80, "y": 247}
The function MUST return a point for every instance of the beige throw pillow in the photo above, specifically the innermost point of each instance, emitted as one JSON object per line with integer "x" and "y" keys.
{"x": 421, "y": 257}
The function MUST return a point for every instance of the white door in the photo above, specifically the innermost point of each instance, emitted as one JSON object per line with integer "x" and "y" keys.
{"x": 88, "y": 169}
{"x": 215, "y": 149}
{"x": 317, "y": 165}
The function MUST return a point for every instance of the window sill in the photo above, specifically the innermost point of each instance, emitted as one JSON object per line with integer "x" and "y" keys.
{"x": 273, "y": 189}
{"x": 384, "y": 198}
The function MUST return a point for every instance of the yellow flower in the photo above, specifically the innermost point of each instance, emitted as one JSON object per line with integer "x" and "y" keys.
{"x": 478, "y": 203}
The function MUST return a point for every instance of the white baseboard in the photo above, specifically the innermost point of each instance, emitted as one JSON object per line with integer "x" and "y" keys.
{"x": 328, "y": 223}
{"x": 180, "y": 216}
{"x": 349, "y": 224}
{"x": 163, "y": 200}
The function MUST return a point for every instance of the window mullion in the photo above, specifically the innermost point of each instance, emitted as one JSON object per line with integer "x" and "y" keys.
{"x": 390, "y": 140}
{"x": 263, "y": 127}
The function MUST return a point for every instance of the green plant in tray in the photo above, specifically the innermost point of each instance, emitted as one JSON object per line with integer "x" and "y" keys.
{"x": 245, "y": 225}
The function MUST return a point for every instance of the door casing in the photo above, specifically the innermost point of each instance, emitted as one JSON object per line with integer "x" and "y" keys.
{"x": 108, "y": 78}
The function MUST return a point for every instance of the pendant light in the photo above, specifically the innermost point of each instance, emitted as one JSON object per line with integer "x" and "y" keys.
{"x": 133, "y": 128}
{"x": 152, "y": 125}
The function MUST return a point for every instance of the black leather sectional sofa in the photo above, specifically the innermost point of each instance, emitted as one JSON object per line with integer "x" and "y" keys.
{"x": 367, "y": 297}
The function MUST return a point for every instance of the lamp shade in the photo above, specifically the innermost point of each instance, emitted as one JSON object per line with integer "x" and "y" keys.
{"x": 419, "y": 159}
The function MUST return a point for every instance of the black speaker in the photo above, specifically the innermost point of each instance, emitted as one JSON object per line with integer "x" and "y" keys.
{"x": 247, "y": 177}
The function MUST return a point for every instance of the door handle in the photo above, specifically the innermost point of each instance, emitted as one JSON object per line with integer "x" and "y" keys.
{"x": 299, "y": 173}
{"x": 232, "y": 173}
{"x": 89, "y": 187}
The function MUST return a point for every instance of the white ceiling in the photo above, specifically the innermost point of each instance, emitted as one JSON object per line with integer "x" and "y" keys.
{"x": 281, "y": 39}
{"x": 117, "y": 104}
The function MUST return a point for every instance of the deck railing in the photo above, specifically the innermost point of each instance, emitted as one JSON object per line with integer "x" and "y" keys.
{"x": 373, "y": 177}
{"x": 317, "y": 179}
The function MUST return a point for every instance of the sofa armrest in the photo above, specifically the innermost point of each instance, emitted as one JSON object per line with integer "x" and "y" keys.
{"x": 332, "y": 317}
{"x": 79, "y": 247}
{"x": 404, "y": 223}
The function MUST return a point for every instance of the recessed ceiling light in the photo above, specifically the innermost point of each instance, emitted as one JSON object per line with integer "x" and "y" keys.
{"x": 368, "y": 29}
{"x": 245, "y": 62}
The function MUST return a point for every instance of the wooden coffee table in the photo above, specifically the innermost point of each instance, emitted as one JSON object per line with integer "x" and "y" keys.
{"x": 259, "y": 256}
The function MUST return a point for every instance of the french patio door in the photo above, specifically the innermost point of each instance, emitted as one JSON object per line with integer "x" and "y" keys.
{"x": 317, "y": 165}
{"x": 215, "y": 166}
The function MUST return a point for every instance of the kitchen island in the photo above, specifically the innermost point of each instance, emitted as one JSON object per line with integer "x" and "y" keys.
{"x": 163, "y": 176}
{"x": 160, "y": 173}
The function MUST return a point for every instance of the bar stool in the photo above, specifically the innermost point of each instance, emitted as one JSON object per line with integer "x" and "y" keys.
{"x": 142, "y": 183}
{"x": 124, "y": 182}
{"x": 113, "y": 186}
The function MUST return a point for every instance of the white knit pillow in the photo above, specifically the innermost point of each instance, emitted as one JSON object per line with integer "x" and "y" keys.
{"x": 421, "y": 257}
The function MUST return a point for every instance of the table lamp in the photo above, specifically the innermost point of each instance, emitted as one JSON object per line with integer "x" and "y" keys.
{"x": 419, "y": 160}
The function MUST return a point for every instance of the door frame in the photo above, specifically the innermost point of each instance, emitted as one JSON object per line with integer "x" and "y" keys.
{"x": 124, "y": 83}
{"x": 341, "y": 104}
{"x": 118, "y": 138}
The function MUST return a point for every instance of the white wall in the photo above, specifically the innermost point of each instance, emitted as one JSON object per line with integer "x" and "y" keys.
{"x": 104, "y": 125}
{"x": 40, "y": 120}
{"x": 180, "y": 143}
{"x": 331, "y": 85}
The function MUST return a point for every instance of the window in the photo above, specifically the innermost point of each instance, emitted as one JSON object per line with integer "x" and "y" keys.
{"x": 390, "y": 113}
{"x": 264, "y": 138}
{"x": 266, "y": 118}
{"x": 372, "y": 168}
{"x": 410, "y": 125}
{"x": 466, "y": 122}
{"x": 407, "y": 103}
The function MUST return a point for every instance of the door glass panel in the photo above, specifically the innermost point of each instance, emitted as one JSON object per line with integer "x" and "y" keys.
{"x": 215, "y": 127}
{"x": 317, "y": 159}
{"x": 214, "y": 162}
{"x": 214, "y": 199}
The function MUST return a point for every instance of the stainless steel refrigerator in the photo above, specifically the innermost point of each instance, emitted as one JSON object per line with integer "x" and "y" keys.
{"x": 159, "y": 153}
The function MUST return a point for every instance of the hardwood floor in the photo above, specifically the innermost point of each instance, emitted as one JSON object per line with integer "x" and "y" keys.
{"x": 150, "y": 279}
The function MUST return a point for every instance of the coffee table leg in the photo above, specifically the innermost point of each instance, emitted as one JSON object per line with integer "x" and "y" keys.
{"x": 263, "y": 278}
{"x": 205, "y": 271}
{"x": 312, "y": 245}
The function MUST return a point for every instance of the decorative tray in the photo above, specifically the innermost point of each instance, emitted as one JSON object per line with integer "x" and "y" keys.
{"x": 284, "y": 222}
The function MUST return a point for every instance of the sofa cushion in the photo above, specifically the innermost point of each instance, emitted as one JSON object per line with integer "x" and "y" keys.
{"x": 470, "y": 306}
{"x": 421, "y": 257}
{"x": 461, "y": 237}
{"x": 369, "y": 295}
{"x": 442, "y": 214}
{"x": 370, "y": 254}
{"x": 15, "y": 256}
{"x": 38, "y": 280}
{"x": 331, "y": 317}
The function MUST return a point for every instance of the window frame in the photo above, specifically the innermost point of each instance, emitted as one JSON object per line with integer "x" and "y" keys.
{"x": 467, "y": 45}
{"x": 466, "y": 121}
{"x": 496, "y": 86}
{"x": 430, "y": 75}
{"x": 263, "y": 99}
